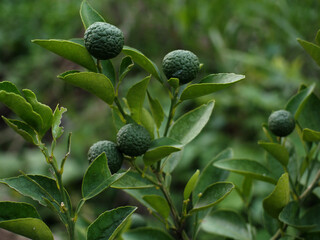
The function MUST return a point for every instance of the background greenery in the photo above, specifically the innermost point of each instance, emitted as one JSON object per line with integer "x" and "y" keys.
{"x": 254, "y": 38}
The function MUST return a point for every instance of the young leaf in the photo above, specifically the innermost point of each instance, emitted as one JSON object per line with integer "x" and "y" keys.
{"x": 226, "y": 223}
{"x": 159, "y": 204}
{"x": 56, "y": 121}
{"x": 98, "y": 177}
{"x": 144, "y": 62}
{"x": 132, "y": 180}
{"x": 146, "y": 233}
{"x": 109, "y": 223}
{"x": 125, "y": 67}
{"x": 210, "y": 84}
{"x": 190, "y": 185}
{"x": 280, "y": 197}
{"x": 278, "y": 151}
{"x": 95, "y": 83}
{"x": 89, "y": 15}
{"x": 246, "y": 167}
{"x": 69, "y": 50}
{"x": 212, "y": 195}
{"x": 187, "y": 127}
{"x": 108, "y": 70}
{"x": 135, "y": 98}
{"x": 310, "y": 135}
{"x": 156, "y": 110}
{"x": 312, "y": 49}
{"x": 9, "y": 87}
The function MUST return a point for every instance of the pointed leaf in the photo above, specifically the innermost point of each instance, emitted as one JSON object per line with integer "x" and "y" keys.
{"x": 210, "y": 84}
{"x": 69, "y": 50}
{"x": 89, "y": 15}
{"x": 278, "y": 151}
{"x": 108, "y": 70}
{"x": 246, "y": 167}
{"x": 125, "y": 67}
{"x": 226, "y": 223}
{"x": 156, "y": 110}
{"x": 312, "y": 49}
{"x": 190, "y": 185}
{"x": 311, "y": 135}
{"x": 132, "y": 180}
{"x": 144, "y": 62}
{"x": 108, "y": 224}
{"x": 159, "y": 204}
{"x": 9, "y": 87}
{"x": 56, "y": 121}
{"x": 212, "y": 195}
{"x": 95, "y": 83}
{"x": 187, "y": 127}
{"x": 280, "y": 197}
{"x": 146, "y": 233}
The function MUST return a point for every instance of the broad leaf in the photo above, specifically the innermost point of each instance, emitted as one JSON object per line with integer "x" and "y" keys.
{"x": 132, "y": 180}
{"x": 108, "y": 224}
{"x": 226, "y": 223}
{"x": 108, "y": 70}
{"x": 280, "y": 197}
{"x": 246, "y": 167}
{"x": 278, "y": 151}
{"x": 171, "y": 162}
{"x": 311, "y": 217}
{"x": 210, "y": 84}
{"x": 69, "y": 50}
{"x": 138, "y": 194}
{"x": 188, "y": 126}
{"x": 56, "y": 121}
{"x": 311, "y": 135}
{"x": 159, "y": 204}
{"x": 309, "y": 117}
{"x": 156, "y": 110}
{"x": 312, "y": 49}
{"x": 146, "y": 233}
{"x": 191, "y": 184}
{"x": 89, "y": 15}
{"x": 95, "y": 83}
{"x": 125, "y": 67}
{"x": 144, "y": 62}
{"x": 212, "y": 195}
{"x": 9, "y": 87}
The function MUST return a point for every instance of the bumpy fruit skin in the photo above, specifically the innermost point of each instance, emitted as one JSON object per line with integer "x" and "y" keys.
{"x": 181, "y": 64}
{"x": 114, "y": 156}
{"x": 103, "y": 40}
{"x": 281, "y": 123}
{"x": 133, "y": 140}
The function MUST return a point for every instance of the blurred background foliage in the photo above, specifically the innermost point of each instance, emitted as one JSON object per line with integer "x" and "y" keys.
{"x": 254, "y": 38}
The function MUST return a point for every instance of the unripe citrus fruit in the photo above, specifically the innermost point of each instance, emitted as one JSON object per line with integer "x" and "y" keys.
{"x": 281, "y": 123}
{"x": 114, "y": 156}
{"x": 133, "y": 140}
{"x": 103, "y": 40}
{"x": 181, "y": 64}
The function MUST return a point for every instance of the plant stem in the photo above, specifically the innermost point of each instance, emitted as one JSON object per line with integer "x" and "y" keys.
{"x": 310, "y": 187}
{"x": 117, "y": 102}
{"x": 171, "y": 113}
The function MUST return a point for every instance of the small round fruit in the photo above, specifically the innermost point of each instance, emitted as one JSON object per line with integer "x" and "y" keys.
{"x": 133, "y": 140}
{"x": 281, "y": 123}
{"x": 181, "y": 64}
{"x": 103, "y": 40}
{"x": 114, "y": 156}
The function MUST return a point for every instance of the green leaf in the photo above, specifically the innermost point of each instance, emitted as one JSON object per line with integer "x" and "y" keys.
{"x": 139, "y": 193}
{"x": 188, "y": 126}
{"x": 190, "y": 185}
{"x": 125, "y": 67}
{"x": 174, "y": 82}
{"x": 246, "y": 167}
{"x": 210, "y": 84}
{"x": 317, "y": 39}
{"x": 279, "y": 198}
{"x": 98, "y": 177}
{"x": 310, "y": 135}
{"x": 146, "y": 233}
{"x": 14, "y": 210}
{"x": 135, "y": 98}
{"x": 212, "y": 195}
{"x": 171, "y": 162}
{"x": 69, "y": 50}
{"x": 9, "y": 87}
{"x": 278, "y": 151}
{"x": 311, "y": 217}
{"x": 144, "y": 62}
{"x": 89, "y": 15}
{"x": 108, "y": 224}
{"x": 156, "y": 110}
{"x": 95, "y": 83}
{"x": 23, "y": 129}
{"x": 226, "y": 223}
{"x": 312, "y": 49}
{"x": 132, "y": 180}
{"x": 147, "y": 121}
{"x": 159, "y": 204}
{"x": 56, "y": 121}
{"x": 118, "y": 119}
{"x": 108, "y": 70}
{"x": 161, "y": 148}
{"x": 309, "y": 117}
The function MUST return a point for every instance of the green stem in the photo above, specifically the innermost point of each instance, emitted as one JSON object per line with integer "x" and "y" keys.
{"x": 99, "y": 66}
{"x": 171, "y": 113}
{"x": 310, "y": 188}
{"x": 117, "y": 102}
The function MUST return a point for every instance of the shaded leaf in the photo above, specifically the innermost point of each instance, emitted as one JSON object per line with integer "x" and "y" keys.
{"x": 132, "y": 180}
{"x": 278, "y": 151}
{"x": 156, "y": 110}
{"x": 108, "y": 70}
{"x": 190, "y": 185}
{"x": 159, "y": 204}
{"x": 171, "y": 162}
{"x": 310, "y": 135}
{"x": 9, "y": 87}
{"x": 311, "y": 217}
{"x": 146, "y": 233}
{"x": 312, "y": 49}
{"x": 56, "y": 121}
{"x": 317, "y": 38}
{"x": 174, "y": 82}
{"x": 147, "y": 121}
{"x": 125, "y": 67}
{"x": 139, "y": 193}
{"x": 310, "y": 112}
{"x": 89, "y": 15}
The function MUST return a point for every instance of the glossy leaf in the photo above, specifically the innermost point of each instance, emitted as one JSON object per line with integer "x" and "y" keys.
{"x": 212, "y": 195}
{"x": 108, "y": 224}
{"x": 69, "y": 50}
{"x": 9, "y": 87}
{"x": 135, "y": 98}
{"x": 89, "y": 15}
{"x": 226, "y": 223}
{"x": 57, "y": 131}
{"x": 312, "y": 49}
{"x": 156, "y": 110}
{"x": 210, "y": 84}
{"x": 191, "y": 184}
{"x": 310, "y": 135}
{"x": 280, "y": 197}
{"x": 125, "y": 67}
{"x": 132, "y": 180}
{"x": 278, "y": 151}
{"x": 95, "y": 83}
{"x": 188, "y": 126}
{"x": 161, "y": 148}
{"x": 144, "y": 62}
{"x": 98, "y": 177}
{"x": 146, "y": 233}
{"x": 246, "y": 167}
{"x": 159, "y": 204}
{"x": 108, "y": 70}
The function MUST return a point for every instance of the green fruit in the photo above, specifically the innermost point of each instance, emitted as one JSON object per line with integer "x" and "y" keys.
{"x": 181, "y": 64}
{"x": 133, "y": 140}
{"x": 281, "y": 123}
{"x": 114, "y": 156}
{"x": 103, "y": 40}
